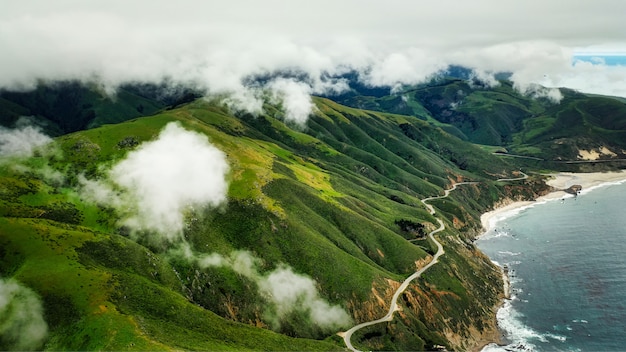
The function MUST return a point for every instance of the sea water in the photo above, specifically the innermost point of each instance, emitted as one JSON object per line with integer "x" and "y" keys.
{"x": 566, "y": 260}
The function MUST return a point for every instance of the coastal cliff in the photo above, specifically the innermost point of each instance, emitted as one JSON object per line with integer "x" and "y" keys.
{"x": 461, "y": 318}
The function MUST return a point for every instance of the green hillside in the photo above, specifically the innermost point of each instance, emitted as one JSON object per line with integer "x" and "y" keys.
{"x": 477, "y": 114}
{"x": 335, "y": 204}
{"x": 501, "y": 116}
{"x": 70, "y": 106}
{"x": 582, "y": 123}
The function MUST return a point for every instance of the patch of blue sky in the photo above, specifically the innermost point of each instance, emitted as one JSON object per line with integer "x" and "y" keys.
{"x": 608, "y": 59}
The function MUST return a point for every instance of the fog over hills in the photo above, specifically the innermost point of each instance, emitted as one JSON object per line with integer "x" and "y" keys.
{"x": 216, "y": 48}
{"x": 253, "y": 175}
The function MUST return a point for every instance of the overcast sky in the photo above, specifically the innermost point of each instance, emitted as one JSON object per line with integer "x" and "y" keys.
{"x": 214, "y": 44}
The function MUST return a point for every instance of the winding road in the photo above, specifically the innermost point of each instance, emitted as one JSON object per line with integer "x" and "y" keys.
{"x": 524, "y": 176}
{"x": 393, "y": 307}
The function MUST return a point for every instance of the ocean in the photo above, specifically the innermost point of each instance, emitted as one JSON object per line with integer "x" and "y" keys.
{"x": 566, "y": 260}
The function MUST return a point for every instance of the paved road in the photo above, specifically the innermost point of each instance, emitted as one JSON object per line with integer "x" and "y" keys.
{"x": 445, "y": 194}
{"x": 393, "y": 307}
{"x": 519, "y": 156}
{"x": 514, "y": 179}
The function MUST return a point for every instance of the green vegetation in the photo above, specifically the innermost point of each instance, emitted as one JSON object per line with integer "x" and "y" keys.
{"x": 502, "y": 117}
{"x": 336, "y": 202}
{"x": 69, "y": 106}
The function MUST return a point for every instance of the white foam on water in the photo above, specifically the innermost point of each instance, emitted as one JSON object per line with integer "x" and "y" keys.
{"x": 510, "y": 253}
{"x": 489, "y": 235}
{"x": 520, "y": 336}
{"x": 605, "y": 184}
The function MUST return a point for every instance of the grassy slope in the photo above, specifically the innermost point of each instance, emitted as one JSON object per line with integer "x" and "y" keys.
{"x": 577, "y": 123}
{"x": 501, "y": 116}
{"x": 480, "y": 115}
{"x": 323, "y": 200}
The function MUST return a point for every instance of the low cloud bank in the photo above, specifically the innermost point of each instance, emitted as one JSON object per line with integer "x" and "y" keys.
{"x": 22, "y": 324}
{"x": 160, "y": 181}
{"x": 286, "y": 290}
{"x": 388, "y": 45}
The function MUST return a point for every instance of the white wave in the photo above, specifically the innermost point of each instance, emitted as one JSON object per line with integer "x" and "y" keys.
{"x": 602, "y": 185}
{"x": 490, "y": 235}
{"x": 515, "y": 280}
{"x": 492, "y": 347}
{"x": 556, "y": 337}
{"x": 515, "y": 330}
{"x": 509, "y": 253}
{"x": 519, "y": 335}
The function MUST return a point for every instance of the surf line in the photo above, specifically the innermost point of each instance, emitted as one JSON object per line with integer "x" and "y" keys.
{"x": 393, "y": 307}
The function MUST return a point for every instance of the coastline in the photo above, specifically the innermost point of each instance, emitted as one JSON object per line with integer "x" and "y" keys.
{"x": 560, "y": 182}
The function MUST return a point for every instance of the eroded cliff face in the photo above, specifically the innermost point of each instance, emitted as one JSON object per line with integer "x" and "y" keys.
{"x": 454, "y": 303}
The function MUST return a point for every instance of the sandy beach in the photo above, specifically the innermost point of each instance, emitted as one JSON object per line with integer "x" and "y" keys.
{"x": 561, "y": 180}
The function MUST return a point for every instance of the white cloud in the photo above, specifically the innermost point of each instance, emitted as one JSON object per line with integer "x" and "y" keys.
{"x": 290, "y": 291}
{"x": 22, "y": 141}
{"x": 22, "y": 324}
{"x": 599, "y": 79}
{"x": 156, "y": 184}
{"x": 286, "y": 290}
{"x": 538, "y": 91}
{"x": 407, "y": 67}
{"x": 480, "y": 78}
{"x": 295, "y": 97}
{"x": 391, "y": 43}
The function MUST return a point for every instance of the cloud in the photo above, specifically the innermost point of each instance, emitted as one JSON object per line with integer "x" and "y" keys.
{"x": 295, "y": 98}
{"x": 287, "y": 291}
{"x": 22, "y": 325}
{"x": 23, "y": 140}
{"x": 480, "y": 79}
{"x": 216, "y": 48}
{"x": 290, "y": 292}
{"x": 156, "y": 184}
{"x": 595, "y": 78}
{"x": 538, "y": 91}
{"x": 409, "y": 66}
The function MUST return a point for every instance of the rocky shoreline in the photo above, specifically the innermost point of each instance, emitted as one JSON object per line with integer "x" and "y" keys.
{"x": 563, "y": 184}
